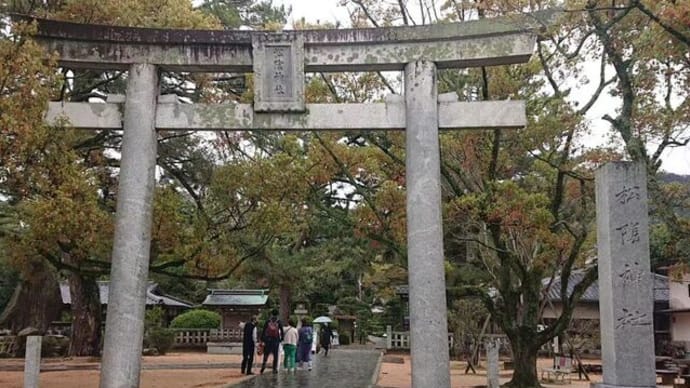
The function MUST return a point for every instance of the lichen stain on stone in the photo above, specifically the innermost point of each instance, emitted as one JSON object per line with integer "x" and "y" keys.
{"x": 98, "y": 109}
{"x": 371, "y": 58}
{"x": 350, "y": 59}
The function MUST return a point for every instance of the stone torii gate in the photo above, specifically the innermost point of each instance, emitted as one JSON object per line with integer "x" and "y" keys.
{"x": 279, "y": 61}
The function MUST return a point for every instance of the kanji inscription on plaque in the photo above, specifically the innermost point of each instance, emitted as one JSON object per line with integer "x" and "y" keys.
{"x": 278, "y": 72}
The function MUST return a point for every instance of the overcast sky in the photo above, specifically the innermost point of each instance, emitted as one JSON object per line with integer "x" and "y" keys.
{"x": 676, "y": 160}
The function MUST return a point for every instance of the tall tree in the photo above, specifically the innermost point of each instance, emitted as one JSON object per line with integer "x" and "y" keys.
{"x": 26, "y": 77}
{"x": 518, "y": 199}
{"x": 56, "y": 180}
{"x": 247, "y": 13}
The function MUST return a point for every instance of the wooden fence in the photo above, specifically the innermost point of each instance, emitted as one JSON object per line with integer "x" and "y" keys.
{"x": 192, "y": 338}
{"x": 401, "y": 339}
{"x": 8, "y": 345}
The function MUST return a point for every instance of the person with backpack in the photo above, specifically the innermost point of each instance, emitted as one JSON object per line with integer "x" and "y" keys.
{"x": 271, "y": 336}
{"x": 290, "y": 345}
{"x": 304, "y": 343}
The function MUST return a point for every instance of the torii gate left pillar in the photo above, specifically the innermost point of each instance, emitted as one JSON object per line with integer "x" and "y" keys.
{"x": 129, "y": 270}
{"x": 416, "y": 50}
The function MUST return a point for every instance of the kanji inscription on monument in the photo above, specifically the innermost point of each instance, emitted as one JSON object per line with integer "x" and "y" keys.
{"x": 278, "y": 72}
{"x": 625, "y": 279}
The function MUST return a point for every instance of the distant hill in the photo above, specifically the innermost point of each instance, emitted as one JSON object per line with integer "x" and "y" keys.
{"x": 671, "y": 178}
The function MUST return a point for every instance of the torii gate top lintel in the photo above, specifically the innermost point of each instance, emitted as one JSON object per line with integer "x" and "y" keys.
{"x": 487, "y": 42}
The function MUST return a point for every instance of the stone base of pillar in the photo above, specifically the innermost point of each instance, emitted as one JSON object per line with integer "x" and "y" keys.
{"x": 602, "y": 385}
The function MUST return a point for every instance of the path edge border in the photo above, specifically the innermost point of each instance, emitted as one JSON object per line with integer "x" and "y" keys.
{"x": 377, "y": 371}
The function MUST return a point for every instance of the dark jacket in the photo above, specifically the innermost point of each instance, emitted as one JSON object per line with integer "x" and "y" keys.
{"x": 326, "y": 335}
{"x": 248, "y": 334}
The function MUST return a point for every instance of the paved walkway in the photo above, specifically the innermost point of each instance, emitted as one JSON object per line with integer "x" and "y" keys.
{"x": 343, "y": 368}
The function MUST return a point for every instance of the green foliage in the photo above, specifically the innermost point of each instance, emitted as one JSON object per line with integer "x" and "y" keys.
{"x": 9, "y": 279}
{"x": 393, "y": 314}
{"x": 152, "y": 13}
{"x": 258, "y": 14}
{"x": 196, "y": 319}
{"x": 54, "y": 346}
{"x": 153, "y": 318}
{"x": 466, "y": 318}
{"x": 160, "y": 338}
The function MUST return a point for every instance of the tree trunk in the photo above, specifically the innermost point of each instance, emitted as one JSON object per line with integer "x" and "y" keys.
{"x": 86, "y": 314}
{"x": 35, "y": 303}
{"x": 525, "y": 362}
{"x": 285, "y": 296}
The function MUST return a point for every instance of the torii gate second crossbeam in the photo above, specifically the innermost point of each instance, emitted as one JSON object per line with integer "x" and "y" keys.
{"x": 279, "y": 61}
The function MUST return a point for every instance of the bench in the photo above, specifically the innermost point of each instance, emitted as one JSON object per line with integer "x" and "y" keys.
{"x": 562, "y": 367}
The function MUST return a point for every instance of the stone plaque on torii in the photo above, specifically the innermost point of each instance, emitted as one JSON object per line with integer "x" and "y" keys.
{"x": 279, "y": 61}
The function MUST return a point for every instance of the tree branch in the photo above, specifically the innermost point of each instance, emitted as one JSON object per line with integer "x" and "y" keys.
{"x": 667, "y": 27}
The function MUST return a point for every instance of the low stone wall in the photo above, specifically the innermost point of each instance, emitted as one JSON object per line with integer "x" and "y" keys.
{"x": 224, "y": 347}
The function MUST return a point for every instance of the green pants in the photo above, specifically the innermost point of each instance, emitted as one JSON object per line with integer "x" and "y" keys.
{"x": 290, "y": 350}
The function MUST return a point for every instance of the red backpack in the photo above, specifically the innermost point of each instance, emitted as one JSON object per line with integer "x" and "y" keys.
{"x": 272, "y": 329}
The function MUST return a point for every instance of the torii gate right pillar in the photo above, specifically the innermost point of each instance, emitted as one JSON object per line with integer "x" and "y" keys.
{"x": 427, "y": 282}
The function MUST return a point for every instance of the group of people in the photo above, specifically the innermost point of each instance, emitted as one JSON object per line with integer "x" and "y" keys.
{"x": 297, "y": 344}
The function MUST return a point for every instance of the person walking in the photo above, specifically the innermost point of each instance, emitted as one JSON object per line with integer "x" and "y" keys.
{"x": 248, "y": 346}
{"x": 326, "y": 335}
{"x": 304, "y": 343}
{"x": 271, "y": 336}
{"x": 290, "y": 345}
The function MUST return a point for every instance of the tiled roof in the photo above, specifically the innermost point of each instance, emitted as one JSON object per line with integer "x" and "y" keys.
{"x": 236, "y": 298}
{"x": 592, "y": 293}
{"x": 153, "y": 295}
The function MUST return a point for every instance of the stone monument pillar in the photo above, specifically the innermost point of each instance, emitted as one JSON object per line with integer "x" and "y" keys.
{"x": 32, "y": 361}
{"x": 124, "y": 328}
{"x": 492, "y": 370}
{"x": 626, "y": 289}
{"x": 428, "y": 317}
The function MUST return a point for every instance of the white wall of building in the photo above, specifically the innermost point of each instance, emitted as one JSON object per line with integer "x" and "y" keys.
{"x": 680, "y": 327}
{"x": 679, "y": 293}
{"x": 679, "y": 299}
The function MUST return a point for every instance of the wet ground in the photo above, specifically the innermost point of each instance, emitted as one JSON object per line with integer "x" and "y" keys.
{"x": 343, "y": 368}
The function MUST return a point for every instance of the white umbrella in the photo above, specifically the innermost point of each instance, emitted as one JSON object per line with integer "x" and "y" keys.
{"x": 322, "y": 319}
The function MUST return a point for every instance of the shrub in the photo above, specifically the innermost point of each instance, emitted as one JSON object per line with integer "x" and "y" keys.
{"x": 197, "y": 319}
{"x": 161, "y": 339}
{"x": 154, "y": 318}
{"x": 54, "y": 346}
